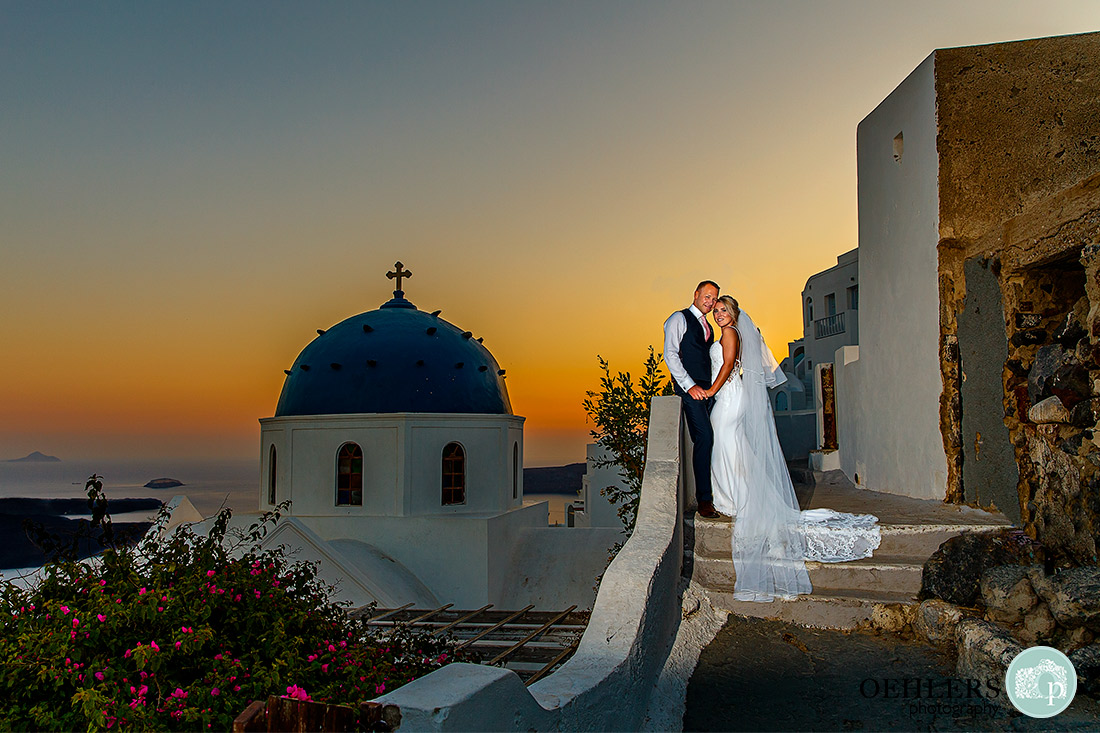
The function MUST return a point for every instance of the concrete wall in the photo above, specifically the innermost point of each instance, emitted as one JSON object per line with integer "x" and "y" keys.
{"x": 402, "y": 462}
{"x": 851, "y": 411}
{"x": 796, "y": 430}
{"x": 607, "y": 683}
{"x": 892, "y": 439}
{"x": 598, "y": 509}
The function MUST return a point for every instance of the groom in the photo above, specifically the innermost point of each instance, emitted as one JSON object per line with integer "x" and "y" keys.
{"x": 688, "y": 337}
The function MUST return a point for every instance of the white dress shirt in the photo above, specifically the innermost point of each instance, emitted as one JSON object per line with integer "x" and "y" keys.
{"x": 675, "y": 328}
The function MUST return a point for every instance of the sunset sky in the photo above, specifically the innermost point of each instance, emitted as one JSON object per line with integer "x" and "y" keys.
{"x": 189, "y": 190}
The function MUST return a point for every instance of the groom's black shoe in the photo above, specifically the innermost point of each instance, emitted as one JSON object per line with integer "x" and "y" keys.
{"x": 706, "y": 509}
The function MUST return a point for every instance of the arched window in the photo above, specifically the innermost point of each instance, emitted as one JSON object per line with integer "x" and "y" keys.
{"x": 349, "y": 475}
{"x": 271, "y": 476}
{"x": 809, "y": 311}
{"x": 454, "y": 474}
{"x": 515, "y": 470}
{"x": 781, "y": 402}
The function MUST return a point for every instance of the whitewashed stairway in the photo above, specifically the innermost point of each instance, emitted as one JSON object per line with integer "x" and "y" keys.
{"x": 844, "y": 593}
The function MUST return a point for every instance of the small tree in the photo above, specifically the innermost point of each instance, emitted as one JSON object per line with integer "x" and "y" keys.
{"x": 620, "y": 411}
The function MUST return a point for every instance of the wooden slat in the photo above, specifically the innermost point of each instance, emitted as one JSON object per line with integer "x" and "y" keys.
{"x": 457, "y": 621}
{"x": 427, "y": 615}
{"x": 530, "y": 636}
{"x": 390, "y": 612}
{"x": 551, "y": 664}
{"x": 495, "y": 626}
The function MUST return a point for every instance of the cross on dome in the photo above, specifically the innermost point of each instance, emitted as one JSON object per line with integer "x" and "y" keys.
{"x": 399, "y": 274}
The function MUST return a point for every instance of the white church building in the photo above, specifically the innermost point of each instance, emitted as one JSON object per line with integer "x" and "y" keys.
{"x": 395, "y": 443}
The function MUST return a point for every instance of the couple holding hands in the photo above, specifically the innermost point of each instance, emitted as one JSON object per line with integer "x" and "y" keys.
{"x": 739, "y": 467}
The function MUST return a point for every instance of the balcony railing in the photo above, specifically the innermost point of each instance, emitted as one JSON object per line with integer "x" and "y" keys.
{"x": 829, "y": 326}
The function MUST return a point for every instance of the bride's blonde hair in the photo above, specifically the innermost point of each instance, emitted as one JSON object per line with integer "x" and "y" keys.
{"x": 731, "y": 306}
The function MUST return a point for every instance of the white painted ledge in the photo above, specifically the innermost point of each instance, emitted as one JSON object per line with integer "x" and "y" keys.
{"x": 606, "y": 685}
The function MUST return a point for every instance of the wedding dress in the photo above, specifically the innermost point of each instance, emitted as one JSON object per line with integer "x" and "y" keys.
{"x": 771, "y": 537}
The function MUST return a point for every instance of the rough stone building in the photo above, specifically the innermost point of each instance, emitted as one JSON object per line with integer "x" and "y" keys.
{"x": 977, "y": 377}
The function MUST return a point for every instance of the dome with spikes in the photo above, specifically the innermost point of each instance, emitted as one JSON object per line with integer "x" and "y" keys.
{"x": 394, "y": 359}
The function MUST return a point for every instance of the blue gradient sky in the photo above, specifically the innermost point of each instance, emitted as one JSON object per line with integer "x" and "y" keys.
{"x": 189, "y": 190}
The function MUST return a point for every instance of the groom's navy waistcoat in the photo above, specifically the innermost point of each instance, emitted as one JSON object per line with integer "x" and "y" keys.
{"x": 695, "y": 350}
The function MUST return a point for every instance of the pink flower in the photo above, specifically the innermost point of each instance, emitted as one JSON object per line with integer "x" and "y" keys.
{"x": 379, "y": 689}
{"x": 179, "y": 644}
{"x": 215, "y": 691}
{"x": 297, "y": 693}
{"x": 127, "y": 653}
{"x": 76, "y": 622}
{"x": 154, "y": 645}
{"x": 210, "y": 573}
{"x": 178, "y": 693}
{"x": 141, "y": 592}
{"x": 100, "y": 617}
{"x": 99, "y": 676}
{"x": 64, "y": 609}
{"x": 186, "y": 629}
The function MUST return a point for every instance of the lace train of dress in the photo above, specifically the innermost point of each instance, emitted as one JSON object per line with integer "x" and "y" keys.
{"x": 771, "y": 537}
{"x": 829, "y": 536}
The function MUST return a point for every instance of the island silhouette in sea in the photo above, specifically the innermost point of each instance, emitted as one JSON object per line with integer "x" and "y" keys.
{"x": 35, "y": 457}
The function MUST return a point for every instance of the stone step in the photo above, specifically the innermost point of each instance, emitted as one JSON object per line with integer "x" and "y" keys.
{"x": 873, "y": 574}
{"x": 916, "y": 541}
{"x": 837, "y": 609}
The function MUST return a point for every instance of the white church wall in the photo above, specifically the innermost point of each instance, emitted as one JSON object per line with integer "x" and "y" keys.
{"x": 487, "y": 441}
{"x": 360, "y": 573}
{"x": 607, "y": 683}
{"x": 402, "y": 462}
{"x": 456, "y": 556}
{"x": 895, "y": 445}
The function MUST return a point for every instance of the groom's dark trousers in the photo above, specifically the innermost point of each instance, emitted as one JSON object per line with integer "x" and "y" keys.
{"x": 697, "y": 415}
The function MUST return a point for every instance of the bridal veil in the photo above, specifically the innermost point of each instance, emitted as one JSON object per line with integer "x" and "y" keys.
{"x": 768, "y": 549}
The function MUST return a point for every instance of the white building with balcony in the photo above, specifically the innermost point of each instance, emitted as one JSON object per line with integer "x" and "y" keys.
{"x": 830, "y": 320}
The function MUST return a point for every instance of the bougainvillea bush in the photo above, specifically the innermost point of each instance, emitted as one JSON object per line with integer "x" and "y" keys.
{"x": 182, "y": 631}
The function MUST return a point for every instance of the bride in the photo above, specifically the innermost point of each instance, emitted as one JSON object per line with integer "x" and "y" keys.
{"x": 771, "y": 537}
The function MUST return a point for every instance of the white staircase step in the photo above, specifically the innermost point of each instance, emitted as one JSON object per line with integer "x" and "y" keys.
{"x": 917, "y": 541}
{"x": 891, "y": 575}
{"x": 839, "y": 609}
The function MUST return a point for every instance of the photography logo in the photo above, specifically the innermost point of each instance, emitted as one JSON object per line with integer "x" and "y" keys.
{"x": 1041, "y": 682}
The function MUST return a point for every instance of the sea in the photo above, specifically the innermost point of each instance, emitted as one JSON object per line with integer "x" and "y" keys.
{"x": 209, "y": 483}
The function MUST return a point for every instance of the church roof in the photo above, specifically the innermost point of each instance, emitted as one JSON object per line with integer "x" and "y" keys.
{"x": 394, "y": 359}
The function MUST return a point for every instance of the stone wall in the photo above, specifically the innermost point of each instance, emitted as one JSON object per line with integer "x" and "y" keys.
{"x": 1047, "y": 265}
{"x": 1019, "y": 204}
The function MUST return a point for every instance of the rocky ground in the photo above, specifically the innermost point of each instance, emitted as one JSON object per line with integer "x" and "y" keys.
{"x": 762, "y": 675}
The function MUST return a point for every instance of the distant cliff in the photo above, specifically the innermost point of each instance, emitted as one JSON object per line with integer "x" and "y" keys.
{"x": 554, "y": 479}
{"x": 35, "y": 457}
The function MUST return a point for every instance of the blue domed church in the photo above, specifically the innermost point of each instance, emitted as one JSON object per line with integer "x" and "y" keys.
{"x": 395, "y": 442}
